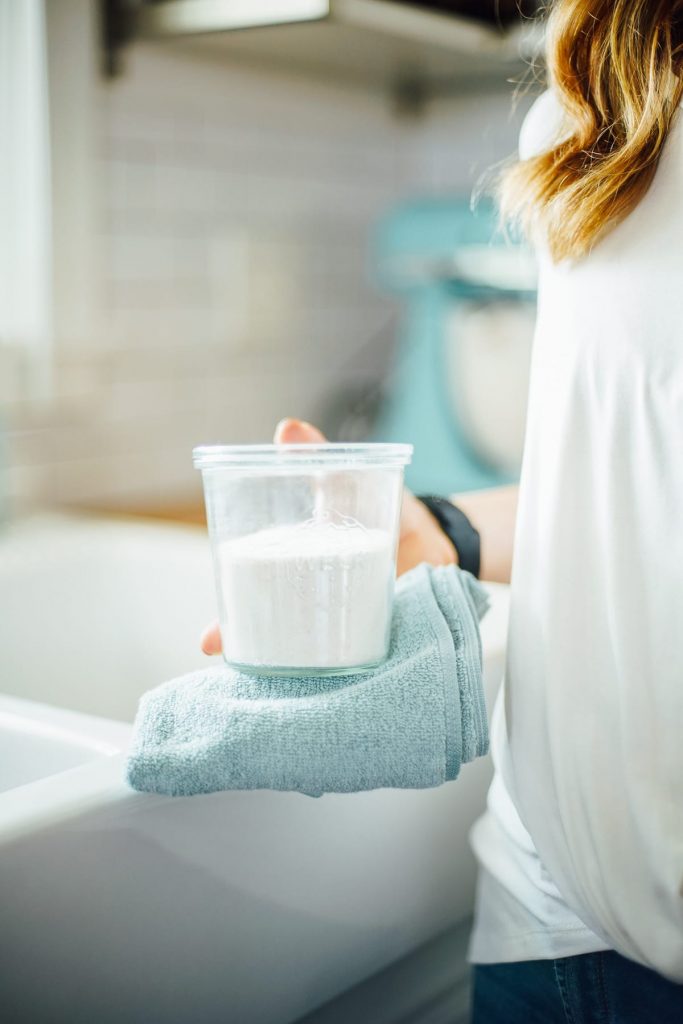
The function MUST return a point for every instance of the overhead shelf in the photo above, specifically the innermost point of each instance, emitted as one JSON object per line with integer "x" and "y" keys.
{"x": 373, "y": 43}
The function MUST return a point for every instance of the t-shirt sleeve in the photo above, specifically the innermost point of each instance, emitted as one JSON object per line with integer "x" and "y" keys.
{"x": 542, "y": 126}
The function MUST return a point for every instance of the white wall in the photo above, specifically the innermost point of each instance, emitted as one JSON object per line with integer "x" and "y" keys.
{"x": 233, "y": 211}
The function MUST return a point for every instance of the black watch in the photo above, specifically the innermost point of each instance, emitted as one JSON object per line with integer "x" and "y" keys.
{"x": 459, "y": 530}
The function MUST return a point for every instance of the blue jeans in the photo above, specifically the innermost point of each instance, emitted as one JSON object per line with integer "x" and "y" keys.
{"x": 594, "y": 988}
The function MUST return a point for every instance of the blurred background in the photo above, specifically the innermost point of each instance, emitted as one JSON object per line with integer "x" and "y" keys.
{"x": 216, "y": 213}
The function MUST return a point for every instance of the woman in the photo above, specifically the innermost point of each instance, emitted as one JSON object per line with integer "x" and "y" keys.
{"x": 580, "y": 898}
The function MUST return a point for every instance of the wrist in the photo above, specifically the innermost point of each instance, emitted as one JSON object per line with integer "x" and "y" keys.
{"x": 458, "y": 531}
{"x": 437, "y": 540}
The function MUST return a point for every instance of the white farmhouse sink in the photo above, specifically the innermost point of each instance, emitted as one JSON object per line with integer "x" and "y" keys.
{"x": 248, "y": 908}
{"x": 37, "y": 740}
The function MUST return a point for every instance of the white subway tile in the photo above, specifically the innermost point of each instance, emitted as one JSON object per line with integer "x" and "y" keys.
{"x": 236, "y": 211}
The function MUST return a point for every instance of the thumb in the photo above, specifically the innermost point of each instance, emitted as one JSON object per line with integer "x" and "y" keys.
{"x": 290, "y": 431}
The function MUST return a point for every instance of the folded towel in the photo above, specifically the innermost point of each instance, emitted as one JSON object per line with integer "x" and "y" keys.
{"x": 410, "y": 723}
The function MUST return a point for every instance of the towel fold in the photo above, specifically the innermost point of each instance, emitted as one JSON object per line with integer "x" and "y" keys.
{"x": 410, "y": 723}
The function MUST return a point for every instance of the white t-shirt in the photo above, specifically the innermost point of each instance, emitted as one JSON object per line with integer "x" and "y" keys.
{"x": 582, "y": 844}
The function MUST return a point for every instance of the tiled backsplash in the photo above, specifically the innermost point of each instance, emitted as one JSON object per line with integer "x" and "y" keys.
{"x": 234, "y": 211}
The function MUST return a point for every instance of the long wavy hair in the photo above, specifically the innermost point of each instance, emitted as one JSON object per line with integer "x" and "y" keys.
{"x": 615, "y": 66}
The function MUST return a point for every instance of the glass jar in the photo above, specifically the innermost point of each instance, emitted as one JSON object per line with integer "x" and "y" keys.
{"x": 304, "y": 540}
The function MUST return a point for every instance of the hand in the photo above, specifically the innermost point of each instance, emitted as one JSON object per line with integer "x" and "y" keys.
{"x": 421, "y": 539}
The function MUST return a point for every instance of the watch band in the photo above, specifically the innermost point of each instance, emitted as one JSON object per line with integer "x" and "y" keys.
{"x": 459, "y": 530}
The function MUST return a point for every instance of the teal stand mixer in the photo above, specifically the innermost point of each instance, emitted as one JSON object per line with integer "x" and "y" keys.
{"x": 436, "y": 253}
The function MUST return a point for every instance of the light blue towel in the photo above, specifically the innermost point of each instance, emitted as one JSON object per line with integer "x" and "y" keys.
{"x": 410, "y": 723}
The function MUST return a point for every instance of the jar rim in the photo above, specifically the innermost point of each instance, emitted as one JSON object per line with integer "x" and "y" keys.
{"x": 339, "y": 454}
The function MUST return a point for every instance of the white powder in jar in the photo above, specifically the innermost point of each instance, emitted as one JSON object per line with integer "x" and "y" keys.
{"x": 311, "y": 595}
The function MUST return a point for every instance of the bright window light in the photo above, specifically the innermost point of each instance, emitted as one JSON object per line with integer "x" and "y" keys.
{"x": 186, "y": 16}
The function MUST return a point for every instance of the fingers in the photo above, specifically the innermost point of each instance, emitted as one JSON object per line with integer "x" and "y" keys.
{"x": 211, "y": 639}
{"x": 291, "y": 431}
